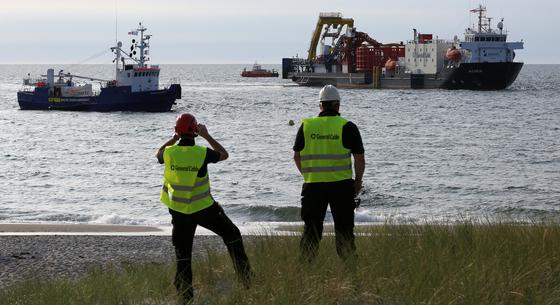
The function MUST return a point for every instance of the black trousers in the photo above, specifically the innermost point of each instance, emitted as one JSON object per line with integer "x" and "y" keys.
{"x": 214, "y": 219}
{"x": 315, "y": 199}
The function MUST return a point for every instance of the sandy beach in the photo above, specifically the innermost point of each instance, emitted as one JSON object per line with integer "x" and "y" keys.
{"x": 29, "y": 251}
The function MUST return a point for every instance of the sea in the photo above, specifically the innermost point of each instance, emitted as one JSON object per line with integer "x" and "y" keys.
{"x": 431, "y": 155}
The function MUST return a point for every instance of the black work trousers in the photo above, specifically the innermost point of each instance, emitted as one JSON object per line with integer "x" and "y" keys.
{"x": 315, "y": 199}
{"x": 214, "y": 219}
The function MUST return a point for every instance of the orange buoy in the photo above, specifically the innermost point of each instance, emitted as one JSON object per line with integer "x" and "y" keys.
{"x": 390, "y": 65}
{"x": 453, "y": 54}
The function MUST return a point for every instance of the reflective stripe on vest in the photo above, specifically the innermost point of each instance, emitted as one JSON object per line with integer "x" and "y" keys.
{"x": 189, "y": 188}
{"x": 325, "y": 169}
{"x": 183, "y": 190}
{"x": 186, "y": 200}
{"x": 324, "y": 158}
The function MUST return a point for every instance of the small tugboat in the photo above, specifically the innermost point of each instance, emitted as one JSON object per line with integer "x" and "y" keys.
{"x": 258, "y": 71}
{"x": 135, "y": 87}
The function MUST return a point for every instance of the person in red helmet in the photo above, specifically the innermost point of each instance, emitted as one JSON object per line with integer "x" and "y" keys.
{"x": 186, "y": 192}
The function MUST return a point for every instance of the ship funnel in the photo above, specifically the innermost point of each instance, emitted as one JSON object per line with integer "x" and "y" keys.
{"x": 415, "y": 34}
{"x": 50, "y": 77}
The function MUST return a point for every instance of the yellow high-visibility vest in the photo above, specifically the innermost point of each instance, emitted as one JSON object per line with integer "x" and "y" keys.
{"x": 183, "y": 191}
{"x": 324, "y": 158}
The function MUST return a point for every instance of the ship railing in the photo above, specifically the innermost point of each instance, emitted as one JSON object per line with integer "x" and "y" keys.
{"x": 330, "y": 15}
{"x": 33, "y": 81}
{"x": 172, "y": 81}
{"x": 29, "y": 84}
{"x": 431, "y": 41}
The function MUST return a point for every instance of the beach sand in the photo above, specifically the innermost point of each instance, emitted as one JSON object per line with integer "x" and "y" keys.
{"x": 37, "y": 251}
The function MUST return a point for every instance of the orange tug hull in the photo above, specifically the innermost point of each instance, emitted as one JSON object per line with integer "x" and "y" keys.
{"x": 259, "y": 74}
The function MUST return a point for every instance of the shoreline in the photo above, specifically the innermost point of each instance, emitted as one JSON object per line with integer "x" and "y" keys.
{"x": 7, "y": 228}
{"x": 20, "y": 229}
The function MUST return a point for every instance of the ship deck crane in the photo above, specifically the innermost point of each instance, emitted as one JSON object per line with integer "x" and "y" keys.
{"x": 329, "y": 19}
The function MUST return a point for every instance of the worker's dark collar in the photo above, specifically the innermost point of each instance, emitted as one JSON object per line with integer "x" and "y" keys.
{"x": 186, "y": 142}
{"x": 329, "y": 113}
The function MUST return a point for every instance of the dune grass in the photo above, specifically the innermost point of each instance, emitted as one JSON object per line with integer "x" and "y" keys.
{"x": 398, "y": 264}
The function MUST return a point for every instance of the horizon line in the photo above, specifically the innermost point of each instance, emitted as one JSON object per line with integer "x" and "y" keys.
{"x": 186, "y": 63}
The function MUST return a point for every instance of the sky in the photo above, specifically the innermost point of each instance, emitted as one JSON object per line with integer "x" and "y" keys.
{"x": 245, "y": 31}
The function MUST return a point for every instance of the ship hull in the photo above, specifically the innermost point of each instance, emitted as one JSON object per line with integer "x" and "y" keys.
{"x": 483, "y": 76}
{"x": 259, "y": 74}
{"x": 110, "y": 99}
{"x": 468, "y": 76}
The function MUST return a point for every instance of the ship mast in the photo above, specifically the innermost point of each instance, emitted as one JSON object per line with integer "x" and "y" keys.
{"x": 144, "y": 44}
{"x": 483, "y": 21}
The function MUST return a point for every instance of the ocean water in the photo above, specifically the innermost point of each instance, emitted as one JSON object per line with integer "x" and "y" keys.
{"x": 431, "y": 155}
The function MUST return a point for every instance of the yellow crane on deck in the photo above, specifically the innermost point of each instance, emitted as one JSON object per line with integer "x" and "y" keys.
{"x": 329, "y": 19}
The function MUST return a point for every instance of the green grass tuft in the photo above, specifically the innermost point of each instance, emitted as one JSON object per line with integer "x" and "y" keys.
{"x": 469, "y": 263}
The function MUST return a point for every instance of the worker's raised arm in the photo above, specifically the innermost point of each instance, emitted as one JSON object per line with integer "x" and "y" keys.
{"x": 172, "y": 141}
{"x": 203, "y": 132}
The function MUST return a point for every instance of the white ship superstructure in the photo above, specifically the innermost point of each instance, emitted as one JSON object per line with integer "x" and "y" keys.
{"x": 138, "y": 75}
{"x": 482, "y": 44}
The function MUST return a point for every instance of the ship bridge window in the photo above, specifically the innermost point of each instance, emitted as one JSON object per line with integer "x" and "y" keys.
{"x": 128, "y": 74}
{"x": 477, "y": 39}
{"x": 135, "y": 74}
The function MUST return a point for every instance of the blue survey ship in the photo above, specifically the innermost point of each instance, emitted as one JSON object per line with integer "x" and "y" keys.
{"x": 135, "y": 87}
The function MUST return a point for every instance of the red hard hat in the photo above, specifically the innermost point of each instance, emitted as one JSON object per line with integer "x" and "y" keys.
{"x": 186, "y": 124}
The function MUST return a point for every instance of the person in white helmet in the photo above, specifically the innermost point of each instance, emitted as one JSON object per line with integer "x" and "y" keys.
{"x": 322, "y": 153}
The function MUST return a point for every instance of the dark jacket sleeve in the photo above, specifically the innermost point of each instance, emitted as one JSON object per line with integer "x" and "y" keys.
{"x": 300, "y": 140}
{"x": 212, "y": 156}
{"x": 352, "y": 139}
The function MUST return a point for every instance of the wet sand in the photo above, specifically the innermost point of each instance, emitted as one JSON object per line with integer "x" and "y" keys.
{"x": 73, "y": 228}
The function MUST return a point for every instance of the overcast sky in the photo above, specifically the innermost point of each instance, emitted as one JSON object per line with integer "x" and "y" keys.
{"x": 242, "y": 31}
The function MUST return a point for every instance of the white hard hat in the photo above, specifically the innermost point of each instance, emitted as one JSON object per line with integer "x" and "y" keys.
{"x": 329, "y": 93}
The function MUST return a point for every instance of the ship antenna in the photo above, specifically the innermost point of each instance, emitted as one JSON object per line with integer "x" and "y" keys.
{"x": 116, "y": 21}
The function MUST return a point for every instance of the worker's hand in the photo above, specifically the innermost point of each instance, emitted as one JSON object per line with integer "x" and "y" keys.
{"x": 202, "y": 131}
{"x": 176, "y": 137}
{"x": 357, "y": 187}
